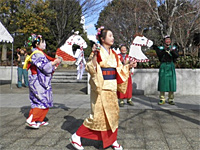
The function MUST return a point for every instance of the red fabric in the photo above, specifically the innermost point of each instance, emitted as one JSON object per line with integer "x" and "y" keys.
{"x": 99, "y": 57}
{"x": 47, "y": 56}
{"x": 64, "y": 55}
{"x": 128, "y": 93}
{"x": 108, "y": 137}
{"x": 121, "y": 58}
{"x": 33, "y": 69}
{"x": 119, "y": 79}
{"x": 108, "y": 72}
{"x": 38, "y": 114}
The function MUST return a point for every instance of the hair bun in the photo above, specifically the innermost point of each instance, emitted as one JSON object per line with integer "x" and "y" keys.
{"x": 34, "y": 38}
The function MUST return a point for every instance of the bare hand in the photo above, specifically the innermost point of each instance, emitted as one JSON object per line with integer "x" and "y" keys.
{"x": 56, "y": 61}
{"x": 96, "y": 48}
{"x": 133, "y": 64}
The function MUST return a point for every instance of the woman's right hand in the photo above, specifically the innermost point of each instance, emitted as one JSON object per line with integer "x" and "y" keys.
{"x": 56, "y": 61}
{"x": 95, "y": 49}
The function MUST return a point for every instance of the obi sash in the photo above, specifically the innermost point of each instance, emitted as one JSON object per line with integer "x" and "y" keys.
{"x": 109, "y": 73}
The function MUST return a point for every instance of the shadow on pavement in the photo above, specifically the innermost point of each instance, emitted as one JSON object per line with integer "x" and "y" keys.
{"x": 59, "y": 105}
{"x": 71, "y": 125}
{"x": 152, "y": 102}
{"x": 184, "y": 117}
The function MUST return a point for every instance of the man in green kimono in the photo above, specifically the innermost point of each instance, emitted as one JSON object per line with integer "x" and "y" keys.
{"x": 167, "y": 76}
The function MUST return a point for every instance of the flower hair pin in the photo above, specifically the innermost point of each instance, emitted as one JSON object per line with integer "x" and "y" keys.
{"x": 99, "y": 30}
{"x": 33, "y": 38}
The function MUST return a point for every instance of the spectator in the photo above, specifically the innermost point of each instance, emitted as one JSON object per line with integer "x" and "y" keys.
{"x": 21, "y": 55}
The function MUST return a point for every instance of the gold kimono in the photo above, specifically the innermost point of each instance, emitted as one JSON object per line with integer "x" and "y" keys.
{"x": 104, "y": 102}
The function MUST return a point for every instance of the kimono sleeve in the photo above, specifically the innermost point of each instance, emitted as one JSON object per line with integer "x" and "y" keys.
{"x": 42, "y": 63}
{"x": 96, "y": 80}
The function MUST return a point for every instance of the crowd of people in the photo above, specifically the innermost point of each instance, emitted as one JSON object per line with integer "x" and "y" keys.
{"x": 111, "y": 83}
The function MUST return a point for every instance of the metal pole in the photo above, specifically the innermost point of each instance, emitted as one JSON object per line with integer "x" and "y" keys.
{"x": 11, "y": 68}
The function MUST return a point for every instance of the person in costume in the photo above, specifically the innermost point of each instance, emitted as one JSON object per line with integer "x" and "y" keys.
{"x": 80, "y": 62}
{"x": 167, "y": 55}
{"x": 124, "y": 58}
{"x": 42, "y": 67}
{"x": 20, "y": 71}
{"x": 107, "y": 76}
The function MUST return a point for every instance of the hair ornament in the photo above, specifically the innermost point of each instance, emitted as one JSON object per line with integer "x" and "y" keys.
{"x": 99, "y": 32}
{"x": 33, "y": 38}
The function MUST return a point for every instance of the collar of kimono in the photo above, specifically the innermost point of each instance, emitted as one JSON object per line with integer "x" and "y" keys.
{"x": 99, "y": 59}
{"x": 123, "y": 56}
{"x": 106, "y": 49}
{"x": 47, "y": 56}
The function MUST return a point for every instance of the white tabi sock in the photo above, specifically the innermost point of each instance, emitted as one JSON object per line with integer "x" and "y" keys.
{"x": 76, "y": 138}
{"x": 29, "y": 120}
{"x": 115, "y": 144}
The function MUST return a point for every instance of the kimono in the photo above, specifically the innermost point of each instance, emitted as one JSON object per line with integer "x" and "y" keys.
{"x": 128, "y": 93}
{"x": 108, "y": 77}
{"x": 40, "y": 90}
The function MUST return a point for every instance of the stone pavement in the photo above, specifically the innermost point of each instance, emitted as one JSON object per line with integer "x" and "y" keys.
{"x": 144, "y": 126}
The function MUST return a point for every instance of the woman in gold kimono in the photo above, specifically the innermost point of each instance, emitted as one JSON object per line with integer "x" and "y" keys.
{"x": 107, "y": 76}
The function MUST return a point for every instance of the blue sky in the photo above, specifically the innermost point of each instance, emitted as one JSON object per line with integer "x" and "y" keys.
{"x": 90, "y": 24}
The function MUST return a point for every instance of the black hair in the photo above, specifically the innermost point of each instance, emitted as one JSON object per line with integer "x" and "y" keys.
{"x": 103, "y": 34}
{"x": 92, "y": 43}
{"x": 122, "y": 46}
{"x": 37, "y": 42}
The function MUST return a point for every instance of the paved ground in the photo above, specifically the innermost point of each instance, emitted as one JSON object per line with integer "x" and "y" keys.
{"x": 145, "y": 126}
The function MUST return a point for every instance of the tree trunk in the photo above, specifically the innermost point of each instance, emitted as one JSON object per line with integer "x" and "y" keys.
{"x": 184, "y": 51}
{"x": 4, "y": 54}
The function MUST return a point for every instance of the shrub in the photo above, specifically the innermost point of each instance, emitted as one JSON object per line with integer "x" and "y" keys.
{"x": 182, "y": 61}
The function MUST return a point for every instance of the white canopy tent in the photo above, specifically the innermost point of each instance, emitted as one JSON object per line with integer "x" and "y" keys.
{"x": 6, "y": 37}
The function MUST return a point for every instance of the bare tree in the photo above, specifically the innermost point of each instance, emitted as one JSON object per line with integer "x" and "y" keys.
{"x": 188, "y": 25}
{"x": 68, "y": 15}
{"x": 179, "y": 18}
{"x": 125, "y": 18}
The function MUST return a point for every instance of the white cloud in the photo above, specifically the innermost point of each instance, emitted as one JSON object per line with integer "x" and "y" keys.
{"x": 90, "y": 29}
{"x": 89, "y": 26}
